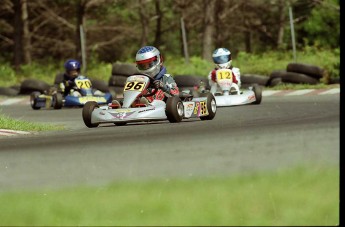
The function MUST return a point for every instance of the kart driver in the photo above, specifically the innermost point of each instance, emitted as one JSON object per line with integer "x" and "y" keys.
{"x": 72, "y": 70}
{"x": 222, "y": 60}
{"x": 150, "y": 61}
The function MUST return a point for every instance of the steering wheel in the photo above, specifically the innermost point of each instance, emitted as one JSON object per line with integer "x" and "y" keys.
{"x": 151, "y": 85}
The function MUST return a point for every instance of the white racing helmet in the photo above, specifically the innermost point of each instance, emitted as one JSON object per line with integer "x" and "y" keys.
{"x": 149, "y": 60}
{"x": 222, "y": 58}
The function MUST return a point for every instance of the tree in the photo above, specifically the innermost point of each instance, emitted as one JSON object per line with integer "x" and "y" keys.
{"x": 22, "y": 43}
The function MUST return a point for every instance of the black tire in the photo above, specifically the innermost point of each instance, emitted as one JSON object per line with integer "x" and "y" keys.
{"x": 124, "y": 69}
{"x": 275, "y": 81}
{"x": 33, "y": 100}
{"x": 8, "y": 91}
{"x": 117, "y": 90}
{"x": 174, "y": 109}
{"x": 310, "y": 70}
{"x": 100, "y": 85}
{"x": 87, "y": 111}
{"x": 254, "y": 79}
{"x": 57, "y": 101}
{"x": 58, "y": 78}
{"x": 258, "y": 94}
{"x": 211, "y": 106}
{"x": 117, "y": 80}
{"x": 291, "y": 77}
{"x": 187, "y": 80}
{"x": 30, "y": 85}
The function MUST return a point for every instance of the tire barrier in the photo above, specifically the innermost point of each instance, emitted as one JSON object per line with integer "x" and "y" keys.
{"x": 292, "y": 77}
{"x": 8, "y": 91}
{"x": 100, "y": 85}
{"x": 254, "y": 79}
{"x": 124, "y": 69}
{"x": 30, "y": 85}
{"x": 310, "y": 70}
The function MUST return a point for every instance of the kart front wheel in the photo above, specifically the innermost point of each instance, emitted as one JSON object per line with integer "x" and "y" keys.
{"x": 258, "y": 94}
{"x": 211, "y": 106}
{"x": 57, "y": 101}
{"x": 87, "y": 113}
{"x": 174, "y": 109}
{"x": 33, "y": 100}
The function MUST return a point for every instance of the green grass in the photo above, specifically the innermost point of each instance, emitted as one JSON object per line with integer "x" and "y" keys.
{"x": 302, "y": 196}
{"x": 14, "y": 124}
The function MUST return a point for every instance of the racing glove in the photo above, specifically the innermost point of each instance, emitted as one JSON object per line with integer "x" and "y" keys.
{"x": 69, "y": 83}
{"x": 158, "y": 84}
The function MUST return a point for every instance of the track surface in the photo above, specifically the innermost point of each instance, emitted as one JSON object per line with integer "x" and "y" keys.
{"x": 279, "y": 133}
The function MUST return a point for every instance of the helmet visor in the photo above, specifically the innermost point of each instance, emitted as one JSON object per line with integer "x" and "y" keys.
{"x": 221, "y": 59}
{"x": 147, "y": 63}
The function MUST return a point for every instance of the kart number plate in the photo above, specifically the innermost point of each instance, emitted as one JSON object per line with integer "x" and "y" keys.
{"x": 85, "y": 83}
{"x": 200, "y": 108}
{"x": 134, "y": 86}
{"x": 224, "y": 74}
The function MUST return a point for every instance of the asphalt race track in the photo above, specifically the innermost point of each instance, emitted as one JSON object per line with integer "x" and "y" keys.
{"x": 279, "y": 133}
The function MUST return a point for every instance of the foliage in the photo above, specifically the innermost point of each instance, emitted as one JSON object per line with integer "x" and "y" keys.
{"x": 261, "y": 64}
{"x": 323, "y": 27}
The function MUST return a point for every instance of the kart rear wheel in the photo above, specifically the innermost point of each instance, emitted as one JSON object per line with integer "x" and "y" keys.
{"x": 33, "y": 100}
{"x": 174, "y": 109}
{"x": 258, "y": 94}
{"x": 87, "y": 112}
{"x": 211, "y": 106}
{"x": 57, "y": 101}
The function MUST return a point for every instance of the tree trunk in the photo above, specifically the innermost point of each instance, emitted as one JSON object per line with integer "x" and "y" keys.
{"x": 26, "y": 33}
{"x": 159, "y": 14}
{"x": 80, "y": 4}
{"x": 208, "y": 34}
{"x": 144, "y": 23}
{"x": 282, "y": 20}
{"x": 248, "y": 41}
{"x": 18, "y": 33}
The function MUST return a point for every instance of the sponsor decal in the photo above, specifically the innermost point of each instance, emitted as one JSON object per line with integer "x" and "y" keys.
{"x": 122, "y": 115}
{"x": 190, "y": 107}
{"x": 146, "y": 110}
{"x": 251, "y": 97}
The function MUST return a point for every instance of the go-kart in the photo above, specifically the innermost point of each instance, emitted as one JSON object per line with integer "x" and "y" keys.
{"x": 229, "y": 93}
{"x": 83, "y": 88}
{"x": 132, "y": 108}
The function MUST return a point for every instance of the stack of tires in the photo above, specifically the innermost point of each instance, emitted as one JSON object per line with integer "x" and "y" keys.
{"x": 191, "y": 83}
{"x": 119, "y": 74}
{"x": 297, "y": 73}
{"x": 248, "y": 80}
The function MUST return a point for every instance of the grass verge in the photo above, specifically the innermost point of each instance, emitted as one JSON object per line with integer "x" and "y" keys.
{"x": 303, "y": 196}
{"x": 14, "y": 124}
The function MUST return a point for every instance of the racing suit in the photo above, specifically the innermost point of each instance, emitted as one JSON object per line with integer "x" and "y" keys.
{"x": 170, "y": 87}
{"x": 67, "y": 84}
{"x": 212, "y": 78}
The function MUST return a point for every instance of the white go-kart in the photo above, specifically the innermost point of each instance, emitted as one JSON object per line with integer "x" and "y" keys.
{"x": 229, "y": 94}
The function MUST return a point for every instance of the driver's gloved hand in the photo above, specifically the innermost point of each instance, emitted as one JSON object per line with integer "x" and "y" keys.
{"x": 69, "y": 83}
{"x": 158, "y": 84}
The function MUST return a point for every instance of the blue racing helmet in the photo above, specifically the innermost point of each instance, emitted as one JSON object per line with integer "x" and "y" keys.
{"x": 72, "y": 64}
